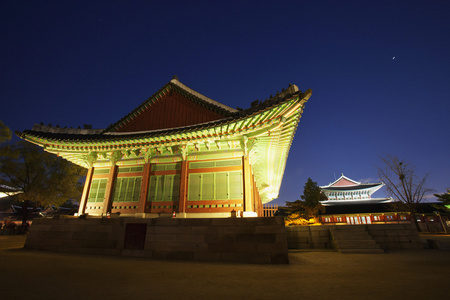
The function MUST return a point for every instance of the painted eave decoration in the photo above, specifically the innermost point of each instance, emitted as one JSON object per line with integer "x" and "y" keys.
{"x": 264, "y": 132}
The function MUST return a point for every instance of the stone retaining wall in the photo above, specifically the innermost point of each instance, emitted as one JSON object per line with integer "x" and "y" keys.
{"x": 395, "y": 236}
{"x": 308, "y": 237}
{"x": 388, "y": 236}
{"x": 244, "y": 240}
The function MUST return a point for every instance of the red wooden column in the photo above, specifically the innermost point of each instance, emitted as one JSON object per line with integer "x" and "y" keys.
{"x": 183, "y": 186}
{"x": 109, "y": 190}
{"x": 248, "y": 184}
{"x": 257, "y": 199}
{"x": 85, "y": 195}
{"x": 144, "y": 188}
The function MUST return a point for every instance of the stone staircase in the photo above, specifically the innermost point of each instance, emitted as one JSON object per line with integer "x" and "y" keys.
{"x": 353, "y": 239}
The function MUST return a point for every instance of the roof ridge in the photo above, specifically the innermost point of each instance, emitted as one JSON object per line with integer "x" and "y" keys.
{"x": 111, "y": 126}
{"x": 56, "y": 129}
{"x": 176, "y": 83}
{"x": 339, "y": 179}
{"x": 202, "y": 97}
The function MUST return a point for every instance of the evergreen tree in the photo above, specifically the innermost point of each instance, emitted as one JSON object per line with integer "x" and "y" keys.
{"x": 444, "y": 198}
{"x": 309, "y": 207}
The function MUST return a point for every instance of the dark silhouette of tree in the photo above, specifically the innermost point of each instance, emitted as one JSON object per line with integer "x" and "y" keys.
{"x": 5, "y": 133}
{"x": 38, "y": 178}
{"x": 403, "y": 184}
{"x": 310, "y": 206}
{"x": 444, "y": 197}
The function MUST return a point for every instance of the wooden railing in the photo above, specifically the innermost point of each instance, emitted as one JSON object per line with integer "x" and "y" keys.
{"x": 269, "y": 210}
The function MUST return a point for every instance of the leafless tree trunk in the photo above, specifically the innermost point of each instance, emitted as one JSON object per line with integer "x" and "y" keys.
{"x": 403, "y": 184}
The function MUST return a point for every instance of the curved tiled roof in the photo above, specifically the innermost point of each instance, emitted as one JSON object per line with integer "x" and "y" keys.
{"x": 352, "y": 187}
{"x": 62, "y": 134}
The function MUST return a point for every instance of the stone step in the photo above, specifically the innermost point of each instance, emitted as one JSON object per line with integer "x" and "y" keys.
{"x": 337, "y": 231}
{"x": 348, "y": 232}
{"x": 349, "y": 228}
{"x": 348, "y": 236}
{"x": 362, "y": 251}
{"x": 354, "y": 240}
{"x": 359, "y": 245}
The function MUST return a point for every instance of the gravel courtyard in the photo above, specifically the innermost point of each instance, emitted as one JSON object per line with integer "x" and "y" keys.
{"x": 27, "y": 274}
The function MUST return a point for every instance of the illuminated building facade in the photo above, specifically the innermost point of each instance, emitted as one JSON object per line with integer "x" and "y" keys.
{"x": 181, "y": 152}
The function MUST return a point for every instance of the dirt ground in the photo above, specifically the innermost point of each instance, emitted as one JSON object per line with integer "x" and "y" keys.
{"x": 402, "y": 274}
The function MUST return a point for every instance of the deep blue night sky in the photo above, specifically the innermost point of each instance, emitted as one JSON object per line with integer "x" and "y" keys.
{"x": 91, "y": 62}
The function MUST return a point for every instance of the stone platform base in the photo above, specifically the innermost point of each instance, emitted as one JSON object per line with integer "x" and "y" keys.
{"x": 242, "y": 240}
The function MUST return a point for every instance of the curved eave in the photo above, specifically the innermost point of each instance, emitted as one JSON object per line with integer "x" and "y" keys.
{"x": 272, "y": 150}
{"x": 271, "y": 163}
{"x": 357, "y": 201}
{"x": 372, "y": 188}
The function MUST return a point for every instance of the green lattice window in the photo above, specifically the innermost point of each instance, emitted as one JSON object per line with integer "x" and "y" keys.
{"x": 97, "y": 190}
{"x": 101, "y": 171}
{"x": 130, "y": 169}
{"x": 164, "y": 188}
{"x": 215, "y": 163}
{"x": 127, "y": 189}
{"x": 166, "y": 167}
{"x": 215, "y": 186}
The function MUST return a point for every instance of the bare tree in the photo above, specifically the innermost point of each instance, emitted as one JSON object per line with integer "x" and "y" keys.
{"x": 403, "y": 184}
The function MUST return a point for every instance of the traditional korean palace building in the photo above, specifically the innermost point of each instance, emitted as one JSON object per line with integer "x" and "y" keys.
{"x": 181, "y": 152}
{"x": 347, "y": 191}
{"x": 350, "y": 202}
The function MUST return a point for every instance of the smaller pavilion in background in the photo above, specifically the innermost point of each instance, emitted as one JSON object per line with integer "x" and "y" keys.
{"x": 350, "y": 202}
{"x": 348, "y": 191}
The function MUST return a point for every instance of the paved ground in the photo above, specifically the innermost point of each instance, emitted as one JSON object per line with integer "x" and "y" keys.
{"x": 422, "y": 274}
